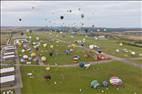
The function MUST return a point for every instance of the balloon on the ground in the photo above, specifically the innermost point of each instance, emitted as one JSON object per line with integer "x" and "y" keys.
{"x": 33, "y": 54}
{"x": 94, "y": 84}
{"x": 43, "y": 58}
{"x": 116, "y": 81}
{"x": 48, "y": 68}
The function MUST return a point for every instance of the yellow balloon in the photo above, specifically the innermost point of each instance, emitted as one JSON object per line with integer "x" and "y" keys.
{"x": 44, "y": 45}
{"x": 51, "y": 46}
{"x": 33, "y": 54}
{"x": 19, "y": 44}
{"x": 43, "y": 58}
{"x": 73, "y": 45}
{"x": 47, "y": 68}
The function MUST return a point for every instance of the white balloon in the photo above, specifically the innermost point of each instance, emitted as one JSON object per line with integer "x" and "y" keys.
{"x": 37, "y": 38}
{"x": 91, "y": 46}
{"x": 133, "y": 53}
{"x": 25, "y": 56}
{"x": 22, "y": 50}
{"x": 121, "y": 44}
{"x": 117, "y": 50}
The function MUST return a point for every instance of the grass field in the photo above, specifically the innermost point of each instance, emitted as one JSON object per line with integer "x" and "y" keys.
{"x": 71, "y": 80}
{"x": 4, "y": 38}
{"x": 59, "y": 57}
{"x": 109, "y": 45}
{"x": 61, "y": 41}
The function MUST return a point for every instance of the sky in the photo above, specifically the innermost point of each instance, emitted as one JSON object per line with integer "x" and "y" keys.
{"x": 114, "y": 14}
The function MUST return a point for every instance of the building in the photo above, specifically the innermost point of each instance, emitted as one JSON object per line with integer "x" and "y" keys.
{"x": 7, "y": 71}
{"x": 9, "y": 57}
{"x": 9, "y": 48}
{"x": 9, "y": 53}
{"x": 7, "y": 76}
{"x": 7, "y": 80}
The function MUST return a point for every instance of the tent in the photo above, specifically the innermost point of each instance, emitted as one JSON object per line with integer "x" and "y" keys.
{"x": 94, "y": 84}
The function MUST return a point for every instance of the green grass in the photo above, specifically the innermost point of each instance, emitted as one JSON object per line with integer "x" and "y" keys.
{"x": 71, "y": 80}
{"x": 4, "y": 38}
{"x": 59, "y": 56}
{"x": 138, "y": 61}
{"x": 109, "y": 45}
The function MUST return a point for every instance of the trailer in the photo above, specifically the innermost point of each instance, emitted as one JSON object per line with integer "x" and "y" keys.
{"x": 7, "y": 71}
{"x": 7, "y": 81}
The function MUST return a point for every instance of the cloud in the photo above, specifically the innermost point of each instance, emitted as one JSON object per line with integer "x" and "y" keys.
{"x": 103, "y": 13}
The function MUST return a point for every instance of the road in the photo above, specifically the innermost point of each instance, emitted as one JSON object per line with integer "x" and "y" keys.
{"x": 124, "y": 60}
{"x": 19, "y": 83}
{"x": 66, "y": 65}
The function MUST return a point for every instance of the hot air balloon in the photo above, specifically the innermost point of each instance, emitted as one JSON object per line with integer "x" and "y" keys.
{"x": 82, "y": 15}
{"x": 61, "y": 17}
{"x": 20, "y": 19}
{"x": 43, "y": 58}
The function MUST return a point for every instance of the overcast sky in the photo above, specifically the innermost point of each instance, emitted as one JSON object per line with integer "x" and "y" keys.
{"x": 47, "y": 13}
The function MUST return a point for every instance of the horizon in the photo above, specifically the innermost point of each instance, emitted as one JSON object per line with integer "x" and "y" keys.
{"x": 76, "y": 27}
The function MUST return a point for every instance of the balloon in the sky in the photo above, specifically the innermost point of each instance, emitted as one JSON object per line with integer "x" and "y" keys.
{"x": 82, "y": 15}
{"x": 93, "y": 26}
{"x": 20, "y": 19}
{"x": 33, "y": 7}
{"x": 69, "y": 10}
{"x": 61, "y": 17}
{"x": 79, "y": 9}
{"x": 82, "y": 24}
